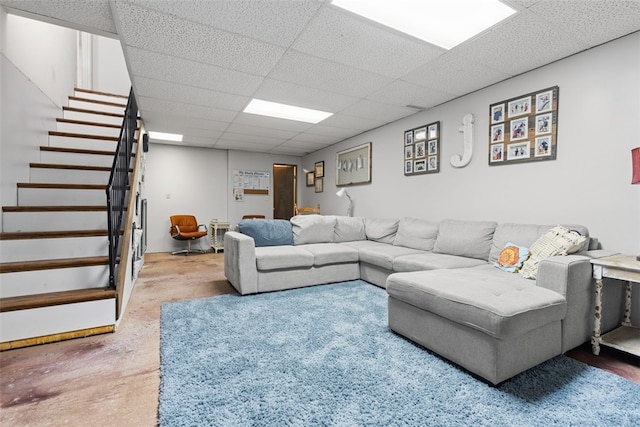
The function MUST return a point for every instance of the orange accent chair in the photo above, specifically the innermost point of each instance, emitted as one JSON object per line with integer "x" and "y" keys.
{"x": 185, "y": 227}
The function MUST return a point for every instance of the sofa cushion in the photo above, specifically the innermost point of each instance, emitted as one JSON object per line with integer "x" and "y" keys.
{"x": 465, "y": 238}
{"x": 267, "y": 232}
{"x": 381, "y": 230}
{"x": 280, "y": 257}
{"x": 524, "y": 235}
{"x": 382, "y": 255}
{"x": 348, "y": 229}
{"x": 416, "y": 234}
{"x": 557, "y": 241}
{"x": 312, "y": 228}
{"x": 331, "y": 253}
{"x": 431, "y": 261}
{"x": 484, "y": 298}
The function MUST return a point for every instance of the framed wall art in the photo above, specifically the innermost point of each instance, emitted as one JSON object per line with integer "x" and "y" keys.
{"x": 319, "y": 169}
{"x": 319, "y": 184}
{"x": 310, "y": 179}
{"x": 422, "y": 149}
{"x": 524, "y": 128}
{"x": 353, "y": 165}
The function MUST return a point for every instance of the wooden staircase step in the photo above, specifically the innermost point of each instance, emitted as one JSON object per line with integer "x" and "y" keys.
{"x": 50, "y": 264}
{"x": 88, "y": 111}
{"x": 61, "y": 186}
{"x": 87, "y": 123}
{"x": 97, "y": 92}
{"x": 78, "y": 150}
{"x": 70, "y": 167}
{"x": 97, "y": 101}
{"x": 27, "y": 302}
{"x": 83, "y": 135}
{"x": 30, "y": 235}
{"x": 69, "y": 208}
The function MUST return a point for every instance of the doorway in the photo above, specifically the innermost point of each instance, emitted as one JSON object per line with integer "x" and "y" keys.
{"x": 285, "y": 188}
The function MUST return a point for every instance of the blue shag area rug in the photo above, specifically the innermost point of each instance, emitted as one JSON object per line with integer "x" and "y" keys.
{"x": 324, "y": 356}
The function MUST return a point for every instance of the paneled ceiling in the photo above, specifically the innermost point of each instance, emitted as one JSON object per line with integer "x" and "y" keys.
{"x": 195, "y": 64}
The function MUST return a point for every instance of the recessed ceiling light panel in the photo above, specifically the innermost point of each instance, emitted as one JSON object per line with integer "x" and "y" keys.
{"x": 284, "y": 111}
{"x": 165, "y": 136}
{"x": 445, "y": 23}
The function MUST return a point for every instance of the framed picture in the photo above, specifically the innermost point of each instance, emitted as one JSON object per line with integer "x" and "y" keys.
{"x": 422, "y": 155}
{"x": 319, "y": 184}
{"x": 353, "y": 165}
{"x": 408, "y": 137}
{"x": 319, "y": 169}
{"x": 526, "y": 130}
{"x": 310, "y": 178}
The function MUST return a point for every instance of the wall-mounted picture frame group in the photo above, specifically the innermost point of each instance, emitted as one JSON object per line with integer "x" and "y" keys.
{"x": 524, "y": 128}
{"x": 353, "y": 165}
{"x": 422, "y": 149}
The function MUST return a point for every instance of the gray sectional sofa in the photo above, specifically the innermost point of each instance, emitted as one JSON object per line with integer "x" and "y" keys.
{"x": 444, "y": 289}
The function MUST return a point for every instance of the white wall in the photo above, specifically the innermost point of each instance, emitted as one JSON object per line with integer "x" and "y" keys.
{"x": 588, "y": 183}
{"x": 183, "y": 180}
{"x": 30, "y": 100}
{"x": 109, "y": 67}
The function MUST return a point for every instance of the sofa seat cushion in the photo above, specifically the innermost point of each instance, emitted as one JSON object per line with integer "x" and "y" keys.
{"x": 281, "y": 257}
{"x": 382, "y": 255}
{"x": 499, "y": 304}
{"x": 432, "y": 261}
{"x": 331, "y": 253}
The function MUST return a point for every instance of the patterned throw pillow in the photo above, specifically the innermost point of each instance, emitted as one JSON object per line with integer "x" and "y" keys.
{"x": 511, "y": 258}
{"x": 557, "y": 241}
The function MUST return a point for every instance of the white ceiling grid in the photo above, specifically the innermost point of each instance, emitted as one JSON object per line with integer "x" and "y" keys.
{"x": 195, "y": 64}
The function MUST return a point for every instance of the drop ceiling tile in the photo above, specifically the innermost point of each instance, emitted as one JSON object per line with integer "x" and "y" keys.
{"x": 454, "y": 74}
{"x": 301, "y": 145}
{"x": 306, "y": 70}
{"x": 507, "y": 48}
{"x": 241, "y": 137}
{"x": 143, "y": 63}
{"x": 188, "y": 94}
{"x": 333, "y": 132}
{"x": 302, "y": 96}
{"x": 290, "y": 151}
{"x": 360, "y": 124}
{"x": 154, "y": 31}
{"x": 247, "y": 119}
{"x": 181, "y": 124}
{"x": 320, "y": 140}
{"x": 179, "y": 109}
{"x": 92, "y": 16}
{"x": 194, "y": 140}
{"x": 605, "y": 20}
{"x": 345, "y": 38}
{"x": 261, "y": 131}
{"x": 275, "y": 21}
{"x": 377, "y": 111}
{"x": 401, "y": 94}
{"x": 228, "y": 144}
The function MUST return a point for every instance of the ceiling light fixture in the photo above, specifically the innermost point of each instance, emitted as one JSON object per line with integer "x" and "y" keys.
{"x": 445, "y": 23}
{"x": 284, "y": 111}
{"x": 165, "y": 136}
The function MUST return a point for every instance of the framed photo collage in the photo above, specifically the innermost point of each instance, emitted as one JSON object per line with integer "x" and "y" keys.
{"x": 524, "y": 129}
{"x": 422, "y": 150}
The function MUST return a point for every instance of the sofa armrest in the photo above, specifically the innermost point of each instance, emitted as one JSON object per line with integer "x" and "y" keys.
{"x": 240, "y": 262}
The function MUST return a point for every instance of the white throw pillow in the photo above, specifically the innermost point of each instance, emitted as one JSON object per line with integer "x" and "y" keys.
{"x": 557, "y": 241}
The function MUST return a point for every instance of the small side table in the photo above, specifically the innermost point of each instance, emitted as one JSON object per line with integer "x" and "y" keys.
{"x": 626, "y": 337}
{"x": 218, "y": 230}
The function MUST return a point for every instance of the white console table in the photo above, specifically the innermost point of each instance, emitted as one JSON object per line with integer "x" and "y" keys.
{"x": 626, "y": 337}
{"x": 218, "y": 229}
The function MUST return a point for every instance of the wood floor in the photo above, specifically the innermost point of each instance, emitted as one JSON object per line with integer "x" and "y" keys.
{"x": 114, "y": 379}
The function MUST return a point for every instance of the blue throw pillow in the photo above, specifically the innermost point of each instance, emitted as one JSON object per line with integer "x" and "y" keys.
{"x": 267, "y": 232}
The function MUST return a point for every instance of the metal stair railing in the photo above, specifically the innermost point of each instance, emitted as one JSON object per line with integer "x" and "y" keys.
{"x": 118, "y": 184}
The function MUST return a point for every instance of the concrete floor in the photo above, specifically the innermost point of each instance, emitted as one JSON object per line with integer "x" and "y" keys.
{"x": 113, "y": 379}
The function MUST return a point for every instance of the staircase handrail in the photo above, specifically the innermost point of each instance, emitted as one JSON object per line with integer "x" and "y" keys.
{"x": 118, "y": 184}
